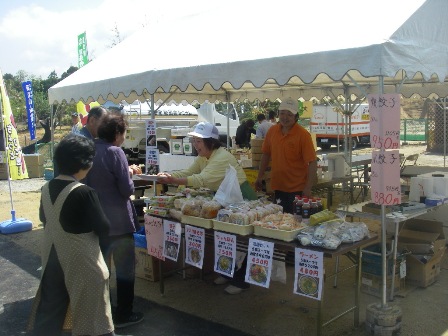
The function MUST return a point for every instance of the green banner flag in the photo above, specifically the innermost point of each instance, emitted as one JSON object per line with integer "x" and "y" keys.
{"x": 83, "y": 57}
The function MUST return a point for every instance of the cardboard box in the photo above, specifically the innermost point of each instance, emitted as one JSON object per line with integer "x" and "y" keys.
{"x": 423, "y": 270}
{"x": 372, "y": 284}
{"x": 34, "y": 159}
{"x": 146, "y": 266}
{"x": 257, "y": 143}
{"x": 421, "y": 236}
{"x": 35, "y": 171}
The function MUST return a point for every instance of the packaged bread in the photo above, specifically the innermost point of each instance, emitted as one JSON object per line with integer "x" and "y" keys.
{"x": 191, "y": 208}
{"x": 210, "y": 209}
{"x": 239, "y": 218}
{"x": 223, "y": 215}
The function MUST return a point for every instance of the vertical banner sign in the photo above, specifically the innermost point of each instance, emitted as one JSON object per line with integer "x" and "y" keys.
{"x": 12, "y": 151}
{"x": 309, "y": 273}
{"x": 385, "y": 177}
{"x": 83, "y": 57}
{"x": 384, "y": 121}
{"x": 195, "y": 243}
{"x": 259, "y": 262}
{"x": 152, "y": 153}
{"x": 30, "y": 113}
{"x": 154, "y": 236}
{"x": 225, "y": 253}
{"x": 385, "y": 140}
{"x": 172, "y": 232}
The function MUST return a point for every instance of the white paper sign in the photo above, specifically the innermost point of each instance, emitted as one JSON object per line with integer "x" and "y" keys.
{"x": 385, "y": 177}
{"x": 308, "y": 273}
{"x": 195, "y": 243}
{"x": 171, "y": 239}
{"x": 259, "y": 262}
{"x": 384, "y": 121}
{"x": 225, "y": 253}
{"x": 154, "y": 236}
{"x": 151, "y": 140}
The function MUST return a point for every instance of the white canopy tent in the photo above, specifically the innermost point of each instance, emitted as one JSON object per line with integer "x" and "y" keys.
{"x": 250, "y": 50}
{"x": 274, "y": 53}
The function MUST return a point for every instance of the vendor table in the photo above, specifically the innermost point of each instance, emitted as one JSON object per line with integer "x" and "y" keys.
{"x": 412, "y": 171}
{"x": 351, "y": 250}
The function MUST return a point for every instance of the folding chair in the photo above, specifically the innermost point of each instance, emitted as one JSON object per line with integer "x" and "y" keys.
{"x": 410, "y": 160}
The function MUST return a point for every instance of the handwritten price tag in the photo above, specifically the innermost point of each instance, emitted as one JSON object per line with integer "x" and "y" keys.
{"x": 384, "y": 121}
{"x": 385, "y": 177}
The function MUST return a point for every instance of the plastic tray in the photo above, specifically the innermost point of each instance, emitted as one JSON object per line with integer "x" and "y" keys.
{"x": 242, "y": 230}
{"x": 197, "y": 221}
{"x": 276, "y": 234}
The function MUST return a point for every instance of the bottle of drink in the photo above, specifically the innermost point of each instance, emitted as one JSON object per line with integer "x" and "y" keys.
{"x": 313, "y": 207}
{"x": 298, "y": 207}
{"x": 306, "y": 211}
{"x": 320, "y": 206}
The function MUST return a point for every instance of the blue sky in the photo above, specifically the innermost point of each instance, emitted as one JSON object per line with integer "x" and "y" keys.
{"x": 39, "y": 36}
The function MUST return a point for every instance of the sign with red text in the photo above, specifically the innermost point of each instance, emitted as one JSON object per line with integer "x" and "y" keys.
{"x": 384, "y": 121}
{"x": 195, "y": 243}
{"x": 225, "y": 253}
{"x": 385, "y": 177}
{"x": 172, "y": 232}
{"x": 259, "y": 262}
{"x": 309, "y": 273}
{"x": 154, "y": 236}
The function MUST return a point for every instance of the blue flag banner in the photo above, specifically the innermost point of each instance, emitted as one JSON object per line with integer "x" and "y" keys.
{"x": 31, "y": 114}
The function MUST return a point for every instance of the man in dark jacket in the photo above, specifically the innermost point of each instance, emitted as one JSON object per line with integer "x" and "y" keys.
{"x": 244, "y": 133}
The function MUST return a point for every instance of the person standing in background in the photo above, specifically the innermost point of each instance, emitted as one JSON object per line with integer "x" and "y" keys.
{"x": 76, "y": 123}
{"x": 90, "y": 129}
{"x": 263, "y": 126}
{"x": 272, "y": 116}
{"x": 111, "y": 179}
{"x": 244, "y": 133}
{"x": 294, "y": 160}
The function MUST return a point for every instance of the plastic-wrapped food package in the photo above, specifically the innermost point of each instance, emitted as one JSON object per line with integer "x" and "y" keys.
{"x": 210, "y": 209}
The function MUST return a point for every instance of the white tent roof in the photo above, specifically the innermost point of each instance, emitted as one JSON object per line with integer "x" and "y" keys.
{"x": 255, "y": 51}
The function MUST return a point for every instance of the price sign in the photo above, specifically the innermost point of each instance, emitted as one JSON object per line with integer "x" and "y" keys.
{"x": 225, "y": 253}
{"x": 259, "y": 262}
{"x": 308, "y": 273}
{"x": 154, "y": 236}
{"x": 384, "y": 121}
{"x": 152, "y": 156}
{"x": 385, "y": 177}
{"x": 171, "y": 239}
{"x": 151, "y": 140}
{"x": 194, "y": 241}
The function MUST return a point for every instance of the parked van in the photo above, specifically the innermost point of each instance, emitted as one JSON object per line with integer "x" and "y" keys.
{"x": 329, "y": 126}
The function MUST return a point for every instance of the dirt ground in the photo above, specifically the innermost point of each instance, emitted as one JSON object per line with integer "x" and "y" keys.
{"x": 259, "y": 311}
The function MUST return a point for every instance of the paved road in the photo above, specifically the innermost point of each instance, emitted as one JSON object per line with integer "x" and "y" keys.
{"x": 19, "y": 281}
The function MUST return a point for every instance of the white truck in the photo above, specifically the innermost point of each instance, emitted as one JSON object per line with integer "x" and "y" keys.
{"x": 172, "y": 122}
{"x": 331, "y": 126}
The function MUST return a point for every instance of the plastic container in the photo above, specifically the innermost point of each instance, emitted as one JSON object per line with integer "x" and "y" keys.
{"x": 297, "y": 207}
{"x": 306, "y": 207}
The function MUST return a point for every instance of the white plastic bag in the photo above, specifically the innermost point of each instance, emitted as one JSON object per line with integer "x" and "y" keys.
{"x": 229, "y": 191}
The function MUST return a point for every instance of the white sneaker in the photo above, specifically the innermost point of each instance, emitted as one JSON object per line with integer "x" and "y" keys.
{"x": 230, "y": 289}
{"x": 221, "y": 280}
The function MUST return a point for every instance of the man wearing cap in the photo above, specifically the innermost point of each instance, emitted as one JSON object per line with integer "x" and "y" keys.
{"x": 76, "y": 123}
{"x": 294, "y": 161}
